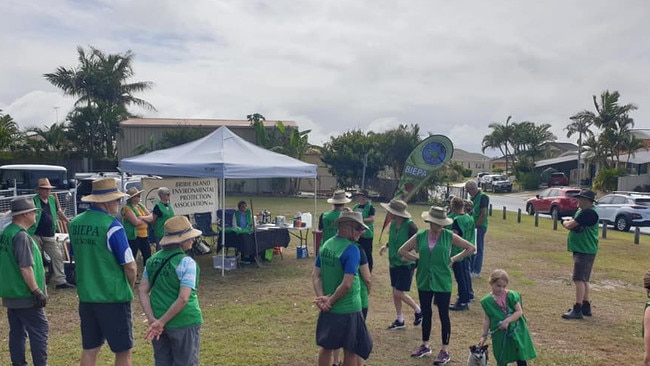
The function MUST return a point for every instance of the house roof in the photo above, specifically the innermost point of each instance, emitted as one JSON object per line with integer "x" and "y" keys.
{"x": 564, "y": 146}
{"x": 162, "y": 122}
{"x": 462, "y": 155}
{"x": 641, "y": 133}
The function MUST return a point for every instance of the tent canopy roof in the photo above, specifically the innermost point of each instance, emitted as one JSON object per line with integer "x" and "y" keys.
{"x": 221, "y": 154}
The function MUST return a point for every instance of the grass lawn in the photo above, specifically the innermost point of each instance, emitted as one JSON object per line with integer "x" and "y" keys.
{"x": 264, "y": 316}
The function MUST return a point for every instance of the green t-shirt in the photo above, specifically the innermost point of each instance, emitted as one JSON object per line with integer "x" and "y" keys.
{"x": 396, "y": 238}
{"x": 329, "y": 229}
{"x": 466, "y": 224}
{"x": 332, "y": 275}
{"x": 167, "y": 286}
{"x": 584, "y": 241}
{"x": 12, "y": 285}
{"x": 434, "y": 273}
{"x": 100, "y": 277}
{"x": 476, "y": 213}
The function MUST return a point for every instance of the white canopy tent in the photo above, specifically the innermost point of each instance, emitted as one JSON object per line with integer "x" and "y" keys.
{"x": 221, "y": 154}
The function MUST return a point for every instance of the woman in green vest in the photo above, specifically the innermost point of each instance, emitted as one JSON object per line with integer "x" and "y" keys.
{"x": 432, "y": 249}
{"x": 162, "y": 212}
{"x": 168, "y": 297}
{"x": 136, "y": 218}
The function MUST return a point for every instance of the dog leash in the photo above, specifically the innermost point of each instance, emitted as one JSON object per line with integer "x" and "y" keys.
{"x": 507, "y": 333}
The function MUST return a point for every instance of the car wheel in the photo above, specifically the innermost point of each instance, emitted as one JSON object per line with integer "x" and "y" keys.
{"x": 530, "y": 209}
{"x": 622, "y": 223}
{"x": 555, "y": 212}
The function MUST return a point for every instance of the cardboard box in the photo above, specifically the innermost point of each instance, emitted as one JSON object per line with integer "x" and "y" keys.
{"x": 230, "y": 262}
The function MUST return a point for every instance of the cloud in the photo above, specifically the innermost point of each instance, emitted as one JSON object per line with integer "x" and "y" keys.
{"x": 333, "y": 66}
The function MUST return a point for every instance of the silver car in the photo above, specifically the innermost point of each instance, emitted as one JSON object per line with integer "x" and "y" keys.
{"x": 624, "y": 210}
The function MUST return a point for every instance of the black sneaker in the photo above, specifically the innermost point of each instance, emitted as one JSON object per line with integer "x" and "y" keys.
{"x": 396, "y": 325}
{"x": 65, "y": 285}
{"x": 418, "y": 319}
{"x": 421, "y": 351}
{"x": 442, "y": 359}
{"x": 458, "y": 307}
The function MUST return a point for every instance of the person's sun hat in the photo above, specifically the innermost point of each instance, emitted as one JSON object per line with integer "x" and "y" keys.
{"x": 437, "y": 215}
{"x": 21, "y": 205}
{"x": 397, "y": 208}
{"x": 351, "y": 216}
{"x": 104, "y": 190}
{"x": 339, "y": 197}
{"x": 132, "y": 192}
{"x": 177, "y": 230}
{"x": 45, "y": 183}
{"x": 588, "y": 194}
{"x": 363, "y": 192}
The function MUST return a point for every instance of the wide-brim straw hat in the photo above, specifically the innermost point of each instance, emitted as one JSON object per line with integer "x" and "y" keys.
{"x": 132, "y": 192}
{"x": 104, "y": 190}
{"x": 21, "y": 205}
{"x": 177, "y": 230}
{"x": 363, "y": 192}
{"x": 397, "y": 208}
{"x": 45, "y": 183}
{"x": 339, "y": 197}
{"x": 351, "y": 216}
{"x": 437, "y": 215}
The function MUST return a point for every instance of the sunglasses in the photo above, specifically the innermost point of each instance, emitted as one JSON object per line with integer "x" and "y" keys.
{"x": 359, "y": 228}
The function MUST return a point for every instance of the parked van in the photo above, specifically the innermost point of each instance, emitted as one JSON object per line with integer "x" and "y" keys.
{"x": 24, "y": 177}
{"x": 85, "y": 184}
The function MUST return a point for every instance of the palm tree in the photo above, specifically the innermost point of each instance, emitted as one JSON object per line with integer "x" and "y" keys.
{"x": 581, "y": 124}
{"x": 9, "y": 131}
{"x": 53, "y": 138}
{"x": 501, "y": 138}
{"x": 532, "y": 139}
{"x": 100, "y": 83}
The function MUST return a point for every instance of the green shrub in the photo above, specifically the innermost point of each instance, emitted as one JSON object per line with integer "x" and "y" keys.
{"x": 607, "y": 179}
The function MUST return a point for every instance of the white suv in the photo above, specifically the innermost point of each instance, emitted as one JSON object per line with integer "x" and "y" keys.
{"x": 624, "y": 209}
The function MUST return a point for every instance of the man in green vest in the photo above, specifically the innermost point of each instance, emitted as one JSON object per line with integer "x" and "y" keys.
{"x": 368, "y": 212}
{"x": 583, "y": 243}
{"x": 481, "y": 203}
{"x": 168, "y": 297}
{"x": 401, "y": 271}
{"x": 162, "y": 212}
{"x": 106, "y": 273}
{"x": 23, "y": 285}
{"x": 45, "y": 227}
{"x": 327, "y": 219}
{"x": 337, "y": 286}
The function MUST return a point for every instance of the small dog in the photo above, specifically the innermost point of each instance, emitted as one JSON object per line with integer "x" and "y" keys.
{"x": 478, "y": 356}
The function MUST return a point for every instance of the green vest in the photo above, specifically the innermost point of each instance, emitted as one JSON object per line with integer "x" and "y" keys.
{"x": 249, "y": 221}
{"x": 397, "y": 238}
{"x": 100, "y": 278}
{"x": 166, "y": 288}
{"x": 159, "y": 225}
{"x": 332, "y": 275}
{"x": 52, "y": 203}
{"x": 371, "y": 225}
{"x": 586, "y": 241}
{"x": 363, "y": 286}
{"x": 12, "y": 285}
{"x": 466, "y": 223}
{"x": 130, "y": 229}
{"x": 434, "y": 273}
{"x": 476, "y": 213}
{"x": 329, "y": 229}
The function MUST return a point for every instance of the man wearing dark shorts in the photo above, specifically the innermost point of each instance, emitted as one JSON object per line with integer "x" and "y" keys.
{"x": 401, "y": 272}
{"x": 337, "y": 287}
{"x": 583, "y": 242}
{"x": 106, "y": 273}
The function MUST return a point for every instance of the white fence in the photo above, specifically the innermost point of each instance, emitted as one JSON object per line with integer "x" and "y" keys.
{"x": 66, "y": 199}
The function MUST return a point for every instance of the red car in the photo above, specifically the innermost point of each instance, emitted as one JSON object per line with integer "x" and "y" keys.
{"x": 556, "y": 201}
{"x": 558, "y": 179}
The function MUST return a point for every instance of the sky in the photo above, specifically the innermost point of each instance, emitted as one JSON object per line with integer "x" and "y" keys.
{"x": 452, "y": 67}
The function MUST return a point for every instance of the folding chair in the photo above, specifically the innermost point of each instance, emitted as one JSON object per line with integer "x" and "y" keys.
{"x": 203, "y": 222}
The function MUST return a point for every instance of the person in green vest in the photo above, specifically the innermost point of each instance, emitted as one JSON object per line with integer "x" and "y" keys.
{"x": 432, "y": 249}
{"x": 504, "y": 320}
{"x": 242, "y": 225}
{"x": 162, "y": 212}
{"x": 582, "y": 241}
{"x": 22, "y": 288}
{"x": 401, "y": 272}
{"x": 645, "y": 331}
{"x": 168, "y": 297}
{"x": 368, "y": 212}
{"x": 45, "y": 227}
{"x": 463, "y": 226}
{"x": 327, "y": 219}
{"x": 338, "y": 294}
{"x": 136, "y": 219}
{"x": 481, "y": 203}
{"x": 106, "y": 273}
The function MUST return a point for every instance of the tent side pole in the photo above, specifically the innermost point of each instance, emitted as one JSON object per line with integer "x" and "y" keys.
{"x": 223, "y": 226}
